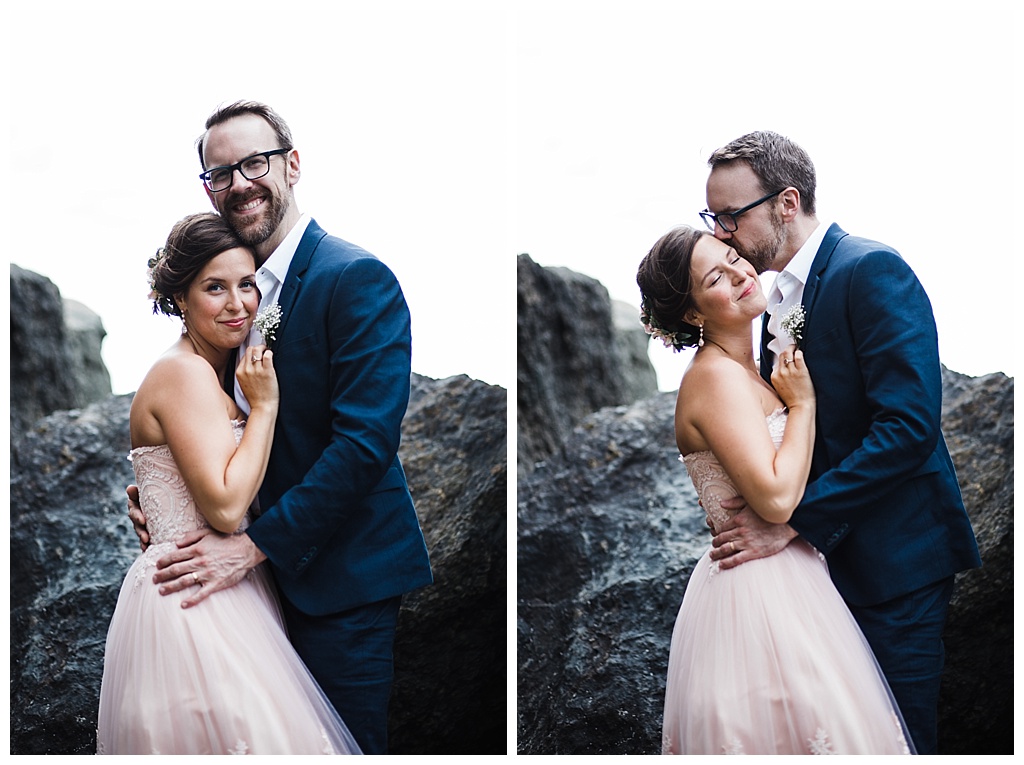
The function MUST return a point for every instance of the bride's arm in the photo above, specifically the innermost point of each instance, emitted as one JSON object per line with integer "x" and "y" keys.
{"x": 731, "y": 420}
{"x": 190, "y": 407}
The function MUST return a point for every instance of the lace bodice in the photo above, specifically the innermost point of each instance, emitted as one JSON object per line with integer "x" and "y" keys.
{"x": 710, "y": 480}
{"x": 166, "y": 502}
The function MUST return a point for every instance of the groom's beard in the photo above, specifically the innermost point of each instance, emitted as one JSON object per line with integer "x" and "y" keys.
{"x": 761, "y": 254}
{"x": 254, "y": 231}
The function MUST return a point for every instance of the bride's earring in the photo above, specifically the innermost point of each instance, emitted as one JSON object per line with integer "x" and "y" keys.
{"x": 700, "y": 340}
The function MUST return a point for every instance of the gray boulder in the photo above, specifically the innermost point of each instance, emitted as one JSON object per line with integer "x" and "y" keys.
{"x": 71, "y": 544}
{"x": 85, "y": 334}
{"x": 55, "y": 352}
{"x": 571, "y": 358}
{"x": 609, "y": 531}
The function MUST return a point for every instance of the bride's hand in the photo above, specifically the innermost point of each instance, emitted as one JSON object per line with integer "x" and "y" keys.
{"x": 791, "y": 379}
{"x": 257, "y": 378}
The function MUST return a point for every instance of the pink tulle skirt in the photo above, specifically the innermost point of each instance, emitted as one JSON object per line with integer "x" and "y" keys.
{"x": 767, "y": 659}
{"x": 217, "y": 678}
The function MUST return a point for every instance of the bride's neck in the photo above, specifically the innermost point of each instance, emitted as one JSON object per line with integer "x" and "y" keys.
{"x": 216, "y": 357}
{"x": 738, "y": 346}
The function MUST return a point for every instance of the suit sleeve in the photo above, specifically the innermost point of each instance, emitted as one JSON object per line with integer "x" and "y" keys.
{"x": 369, "y": 347}
{"x": 896, "y": 349}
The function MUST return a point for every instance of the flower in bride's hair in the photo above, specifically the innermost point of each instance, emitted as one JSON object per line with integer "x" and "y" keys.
{"x": 266, "y": 322}
{"x": 151, "y": 265}
{"x": 161, "y": 303}
{"x": 793, "y": 323}
{"x": 673, "y": 340}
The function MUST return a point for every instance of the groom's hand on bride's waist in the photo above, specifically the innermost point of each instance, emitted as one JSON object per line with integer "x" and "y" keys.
{"x": 137, "y": 518}
{"x": 206, "y": 561}
{"x": 748, "y": 536}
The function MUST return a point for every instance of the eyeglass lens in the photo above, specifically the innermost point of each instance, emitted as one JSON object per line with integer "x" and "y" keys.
{"x": 251, "y": 169}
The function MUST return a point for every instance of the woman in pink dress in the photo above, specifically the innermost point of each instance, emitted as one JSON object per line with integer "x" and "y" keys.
{"x": 765, "y": 657}
{"x": 221, "y": 677}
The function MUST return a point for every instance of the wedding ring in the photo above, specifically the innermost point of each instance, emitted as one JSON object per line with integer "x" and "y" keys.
{"x": 254, "y": 359}
{"x": 195, "y": 577}
{"x": 784, "y": 361}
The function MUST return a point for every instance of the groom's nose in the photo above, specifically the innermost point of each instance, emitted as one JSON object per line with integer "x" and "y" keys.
{"x": 239, "y": 183}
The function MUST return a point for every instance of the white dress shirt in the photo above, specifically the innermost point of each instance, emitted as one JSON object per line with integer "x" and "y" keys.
{"x": 270, "y": 278}
{"x": 788, "y": 290}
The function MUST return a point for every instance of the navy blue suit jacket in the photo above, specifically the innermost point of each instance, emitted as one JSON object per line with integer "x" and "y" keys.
{"x": 883, "y": 502}
{"x": 338, "y": 523}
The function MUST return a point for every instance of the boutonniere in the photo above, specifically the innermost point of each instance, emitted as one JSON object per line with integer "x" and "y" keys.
{"x": 266, "y": 323}
{"x": 793, "y": 323}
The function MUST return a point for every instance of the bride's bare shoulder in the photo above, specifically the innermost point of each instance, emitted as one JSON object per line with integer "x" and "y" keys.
{"x": 712, "y": 376}
{"x": 177, "y": 381}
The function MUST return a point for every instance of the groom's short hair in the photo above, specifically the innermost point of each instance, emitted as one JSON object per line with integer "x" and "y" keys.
{"x": 775, "y": 160}
{"x": 240, "y": 108}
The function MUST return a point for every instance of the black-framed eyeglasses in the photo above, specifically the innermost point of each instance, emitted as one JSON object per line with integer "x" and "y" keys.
{"x": 727, "y": 220}
{"x": 251, "y": 168}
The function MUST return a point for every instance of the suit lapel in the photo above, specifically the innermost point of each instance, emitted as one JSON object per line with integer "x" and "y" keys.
{"x": 297, "y": 270}
{"x": 828, "y": 246}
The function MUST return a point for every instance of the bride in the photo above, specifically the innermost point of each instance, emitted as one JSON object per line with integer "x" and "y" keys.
{"x": 765, "y": 657}
{"x": 221, "y": 677}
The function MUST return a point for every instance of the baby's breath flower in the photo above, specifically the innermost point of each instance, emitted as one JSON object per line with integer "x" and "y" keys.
{"x": 793, "y": 323}
{"x": 266, "y": 322}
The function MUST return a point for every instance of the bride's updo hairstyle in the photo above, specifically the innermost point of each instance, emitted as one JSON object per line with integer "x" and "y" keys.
{"x": 193, "y": 242}
{"x": 666, "y": 288}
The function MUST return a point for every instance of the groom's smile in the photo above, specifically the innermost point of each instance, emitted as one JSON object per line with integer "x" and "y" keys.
{"x": 250, "y": 205}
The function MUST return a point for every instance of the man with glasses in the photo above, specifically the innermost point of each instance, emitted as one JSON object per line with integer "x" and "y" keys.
{"x": 337, "y": 522}
{"x": 882, "y": 503}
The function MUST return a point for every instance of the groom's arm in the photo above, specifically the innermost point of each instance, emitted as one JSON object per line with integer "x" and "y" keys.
{"x": 369, "y": 368}
{"x": 896, "y": 348}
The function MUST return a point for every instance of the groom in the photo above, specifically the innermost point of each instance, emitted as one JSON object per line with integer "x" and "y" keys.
{"x": 337, "y": 523}
{"x": 883, "y": 503}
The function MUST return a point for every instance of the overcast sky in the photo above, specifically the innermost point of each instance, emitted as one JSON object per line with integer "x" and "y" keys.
{"x": 447, "y": 137}
{"x": 906, "y": 109}
{"x": 399, "y": 115}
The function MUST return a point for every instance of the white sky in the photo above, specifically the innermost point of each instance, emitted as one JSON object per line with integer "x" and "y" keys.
{"x": 399, "y": 116}
{"x": 906, "y": 109}
{"x": 447, "y": 137}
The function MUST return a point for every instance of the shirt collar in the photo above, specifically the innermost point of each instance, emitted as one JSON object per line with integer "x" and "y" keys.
{"x": 800, "y": 266}
{"x": 281, "y": 258}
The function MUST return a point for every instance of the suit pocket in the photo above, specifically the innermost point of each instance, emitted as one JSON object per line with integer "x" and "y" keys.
{"x": 290, "y": 347}
{"x": 822, "y": 339}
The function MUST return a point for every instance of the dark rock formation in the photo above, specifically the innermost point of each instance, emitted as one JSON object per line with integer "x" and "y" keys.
{"x": 630, "y": 346}
{"x": 55, "y": 362}
{"x": 39, "y": 353}
{"x": 976, "y": 712}
{"x": 71, "y": 543}
{"x": 450, "y": 655}
{"x": 609, "y": 530}
{"x": 85, "y": 335}
{"x": 571, "y": 358}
